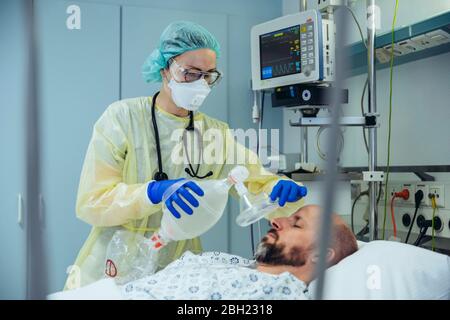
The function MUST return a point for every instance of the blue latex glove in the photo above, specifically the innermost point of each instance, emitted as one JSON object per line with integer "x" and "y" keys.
{"x": 156, "y": 189}
{"x": 287, "y": 190}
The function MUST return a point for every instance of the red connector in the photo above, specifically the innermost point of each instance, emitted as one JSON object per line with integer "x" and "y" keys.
{"x": 404, "y": 194}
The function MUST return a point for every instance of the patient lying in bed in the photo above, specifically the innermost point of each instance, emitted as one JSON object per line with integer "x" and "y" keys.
{"x": 284, "y": 265}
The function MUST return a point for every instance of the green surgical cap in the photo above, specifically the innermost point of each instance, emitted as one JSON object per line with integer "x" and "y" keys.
{"x": 177, "y": 38}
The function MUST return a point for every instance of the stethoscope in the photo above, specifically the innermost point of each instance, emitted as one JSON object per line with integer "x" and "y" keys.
{"x": 160, "y": 174}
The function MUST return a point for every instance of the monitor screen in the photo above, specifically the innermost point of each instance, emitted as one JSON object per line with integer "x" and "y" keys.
{"x": 280, "y": 53}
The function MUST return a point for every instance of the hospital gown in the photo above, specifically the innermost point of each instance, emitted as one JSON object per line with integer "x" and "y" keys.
{"x": 215, "y": 276}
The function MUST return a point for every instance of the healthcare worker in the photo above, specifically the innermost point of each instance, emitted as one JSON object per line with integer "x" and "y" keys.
{"x": 129, "y": 163}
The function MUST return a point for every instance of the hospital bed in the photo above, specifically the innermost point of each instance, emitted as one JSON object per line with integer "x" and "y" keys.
{"x": 378, "y": 270}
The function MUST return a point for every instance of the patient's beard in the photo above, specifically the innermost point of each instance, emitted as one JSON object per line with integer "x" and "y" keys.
{"x": 272, "y": 254}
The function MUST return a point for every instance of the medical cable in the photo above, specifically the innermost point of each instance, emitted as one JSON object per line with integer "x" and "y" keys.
{"x": 358, "y": 25}
{"x": 365, "y": 229}
{"x": 190, "y": 171}
{"x": 260, "y": 123}
{"x": 424, "y": 225}
{"x": 160, "y": 175}
{"x": 367, "y": 80}
{"x": 261, "y": 117}
{"x": 404, "y": 194}
{"x": 263, "y": 94}
{"x": 422, "y": 232}
{"x": 362, "y": 113}
{"x": 255, "y": 108}
{"x": 341, "y": 143}
{"x": 418, "y": 197}
{"x": 390, "y": 112}
{"x": 434, "y": 205}
{"x": 394, "y": 225}
{"x": 252, "y": 239}
{"x": 363, "y": 193}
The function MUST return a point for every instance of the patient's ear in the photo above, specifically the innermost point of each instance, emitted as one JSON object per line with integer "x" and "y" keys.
{"x": 330, "y": 256}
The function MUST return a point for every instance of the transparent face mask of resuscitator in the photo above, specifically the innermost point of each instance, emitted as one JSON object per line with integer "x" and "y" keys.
{"x": 253, "y": 207}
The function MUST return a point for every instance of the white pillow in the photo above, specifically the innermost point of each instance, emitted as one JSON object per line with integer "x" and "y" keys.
{"x": 388, "y": 270}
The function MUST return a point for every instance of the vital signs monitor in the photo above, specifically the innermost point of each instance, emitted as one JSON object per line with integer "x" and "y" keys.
{"x": 293, "y": 49}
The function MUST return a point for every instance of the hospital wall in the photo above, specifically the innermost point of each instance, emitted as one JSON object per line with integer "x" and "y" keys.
{"x": 81, "y": 73}
{"x": 421, "y": 95}
{"x": 12, "y": 175}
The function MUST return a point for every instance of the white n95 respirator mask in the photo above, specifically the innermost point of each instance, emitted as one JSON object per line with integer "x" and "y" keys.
{"x": 189, "y": 95}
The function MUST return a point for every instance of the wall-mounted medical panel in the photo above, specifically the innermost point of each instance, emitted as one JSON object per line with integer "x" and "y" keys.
{"x": 424, "y": 39}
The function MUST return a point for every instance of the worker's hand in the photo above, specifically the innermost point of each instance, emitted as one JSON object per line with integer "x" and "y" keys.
{"x": 156, "y": 189}
{"x": 287, "y": 190}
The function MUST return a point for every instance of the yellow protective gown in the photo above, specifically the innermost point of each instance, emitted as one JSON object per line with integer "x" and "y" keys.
{"x": 120, "y": 162}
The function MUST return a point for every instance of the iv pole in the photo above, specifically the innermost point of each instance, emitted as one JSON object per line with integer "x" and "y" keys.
{"x": 329, "y": 193}
{"x": 371, "y": 30}
{"x": 369, "y": 121}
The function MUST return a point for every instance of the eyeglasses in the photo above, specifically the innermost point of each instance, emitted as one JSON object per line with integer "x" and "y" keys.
{"x": 181, "y": 74}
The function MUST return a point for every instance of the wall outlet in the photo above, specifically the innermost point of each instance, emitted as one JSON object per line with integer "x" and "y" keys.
{"x": 382, "y": 55}
{"x": 438, "y": 37}
{"x": 425, "y": 190}
{"x": 392, "y": 189}
{"x": 439, "y": 195}
{"x": 424, "y": 41}
{"x": 408, "y": 46}
{"x": 398, "y": 51}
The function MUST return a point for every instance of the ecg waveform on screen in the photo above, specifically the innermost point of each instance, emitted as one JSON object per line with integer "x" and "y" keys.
{"x": 285, "y": 68}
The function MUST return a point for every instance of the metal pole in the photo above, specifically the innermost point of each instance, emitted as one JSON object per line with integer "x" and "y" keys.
{"x": 303, "y": 5}
{"x": 304, "y": 145}
{"x": 36, "y": 258}
{"x": 330, "y": 184}
{"x": 371, "y": 32}
{"x": 304, "y": 131}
